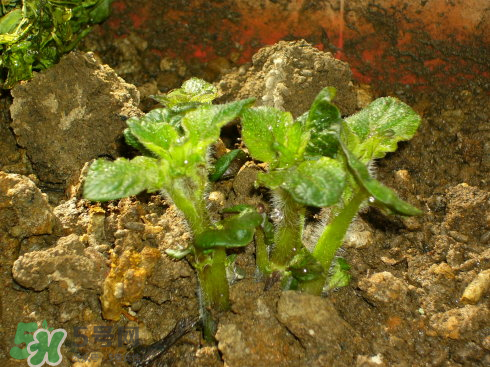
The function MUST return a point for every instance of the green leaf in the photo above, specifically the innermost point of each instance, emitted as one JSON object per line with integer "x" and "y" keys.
{"x": 322, "y": 121}
{"x": 236, "y": 231}
{"x": 203, "y": 124}
{"x": 178, "y": 254}
{"x": 153, "y": 131}
{"x": 192, "y": 90}
{"x": 340, "y": 274}
{"x": 108, "y": 180}
{"x": 381, "y": 193}
{"x": 377, "y": 129}
{"x": 132, "y": 141}
{"x": 100, "y": 12}
{"x": 10, "y": 21}
{"x": 222, "y": 163}
{"x": 272, "y": 136}
{"x": 304, "y": 267}
{"x": 238, "y": 208}
{"x": 315, "y": 183}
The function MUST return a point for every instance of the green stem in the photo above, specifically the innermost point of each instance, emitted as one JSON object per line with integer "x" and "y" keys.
{"x": 213, "y": 281}
{"x": 288, "y": 234}
{"x": 332, "y": 239}
{"x": 209, "y": 266}
{"x": 192, "y": 205}
{"x": 214, "y": 290}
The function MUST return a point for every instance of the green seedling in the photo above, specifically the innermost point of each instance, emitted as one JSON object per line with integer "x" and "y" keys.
{"x": 176, "y": 142}
{"x": 322, "y": 160}
{"x": 34, "y": 34}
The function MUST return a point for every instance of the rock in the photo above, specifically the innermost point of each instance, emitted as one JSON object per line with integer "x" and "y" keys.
{"x": 460, "y": 323}
{"x": 385, "y": 288}
{"x": 73, "y": 216}
{"x": 64, "y": 124}
{"x": 257, "y": 341}
{"x": 69, "y": 262}
{"x": 288, "y": 75}
{"x": 24, "y": 209}
{"x": 477, "y": 288}
{"x": 320, "y": 329}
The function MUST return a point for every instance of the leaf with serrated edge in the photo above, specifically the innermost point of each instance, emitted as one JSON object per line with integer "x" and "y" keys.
{"x": 108, "y": 180}
{"x": 376, "y": 130}
{"x": 340, "y": 274}
{"x": 322, "y": 120}
{"x": 272, "y": 136}
{"x": 153, "y": 131}
{"x": 203, "y": 124}
{"x": 192, "y": 90}
{"x": 317, "y": 183}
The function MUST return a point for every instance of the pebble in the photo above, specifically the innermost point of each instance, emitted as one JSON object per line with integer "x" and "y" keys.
{"x": 443, "y": 269}
{"x": 135, "y": 226}
{"x": 384, "y": 287}
{"x": 477, "y": 288}
{"x": 120, "y": 233}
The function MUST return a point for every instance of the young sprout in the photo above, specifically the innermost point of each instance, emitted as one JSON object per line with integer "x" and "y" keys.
{"x": 176, "y": 141}
{"x": 321, "y": 160}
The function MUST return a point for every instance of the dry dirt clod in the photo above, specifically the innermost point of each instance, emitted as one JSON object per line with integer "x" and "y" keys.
{"x": 288, "y": 75}
{"x": 460, "y": 323}
{"x": 320, "y": 329}
{"x": 466, "y": 211}
{"x": 24, "y": 209}
{"x": 69, "y": 263}
{"x": 385, "y": 288}
{"x": 370, "y": 361}
{"x": 260, "y": 340}
{"x": 70, "y": 114}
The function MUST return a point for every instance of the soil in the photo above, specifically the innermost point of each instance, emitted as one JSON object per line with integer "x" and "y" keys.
{"x": 419, "y": 294}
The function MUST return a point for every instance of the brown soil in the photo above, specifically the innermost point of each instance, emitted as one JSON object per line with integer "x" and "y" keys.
{"x": 419, "y": 294}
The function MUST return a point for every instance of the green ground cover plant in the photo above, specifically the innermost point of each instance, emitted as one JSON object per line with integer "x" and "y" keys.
{"x": 34, "y": 34}
{"x": 320, "y": 160}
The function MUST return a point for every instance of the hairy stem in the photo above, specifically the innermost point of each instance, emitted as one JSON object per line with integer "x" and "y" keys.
{"x": 191, "y": 202}
{"x": 332, "y": 239}
{"x": 288, "y": 234}
{"x": 209, "y": 266}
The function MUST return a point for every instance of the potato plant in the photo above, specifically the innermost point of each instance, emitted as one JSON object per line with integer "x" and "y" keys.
{"x": 176, "y": 142}
{"x": 320, "y": 160}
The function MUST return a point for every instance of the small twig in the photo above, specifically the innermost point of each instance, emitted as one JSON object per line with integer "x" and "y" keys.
{"x": 144, "y": 355}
